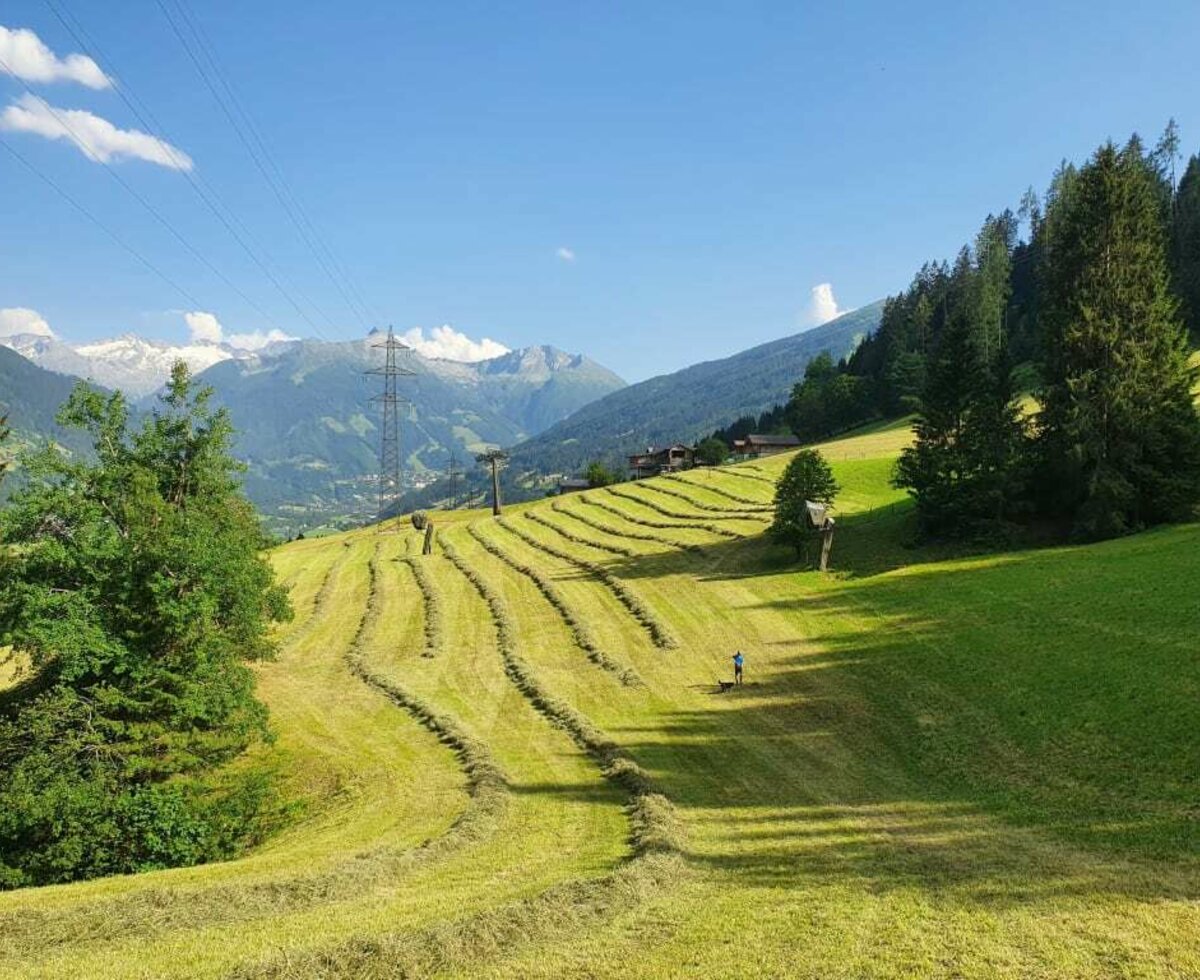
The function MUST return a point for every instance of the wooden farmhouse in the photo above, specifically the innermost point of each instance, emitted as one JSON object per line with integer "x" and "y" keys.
{"x": 665, "y": 459}
{"x": 754, "y": 445}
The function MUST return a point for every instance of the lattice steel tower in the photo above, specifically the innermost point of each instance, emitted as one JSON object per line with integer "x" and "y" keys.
{"x": 389, "y": 440}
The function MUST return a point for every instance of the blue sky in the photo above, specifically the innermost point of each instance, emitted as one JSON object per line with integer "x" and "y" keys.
{"x": 652, "y": 184}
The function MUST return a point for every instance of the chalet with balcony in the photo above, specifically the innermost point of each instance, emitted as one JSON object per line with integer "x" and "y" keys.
{"x": 663, "y": 459}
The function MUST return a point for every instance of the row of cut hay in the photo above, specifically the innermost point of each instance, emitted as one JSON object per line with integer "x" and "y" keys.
{"x": 434, "y": 615}
{"x": 657, "y": 828}
{"x": 750, "y": 510}
{"x": 660, "y": 525}
{"x": 747, "y": 472}
{"x": 750, "y": 502}
{"x": 485, "y": 781}
{"x": 320, "y": 600}
{"x": 654, "y": 505}
{"x": 455, "y": 946}
{"x": 579, "y": 629}
{"x": 159, "y": 910}
{"x": 659, "y": 632}
{"x": 619, "y": 532}
{"x": 568, "y": 534}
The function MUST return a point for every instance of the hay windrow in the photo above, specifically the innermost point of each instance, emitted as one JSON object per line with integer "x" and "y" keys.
{"x": 654, "y": 505}
{"x": 656, "y": 837}
{"x": 750, "y": 502}
{"x": 660, "y": 525}
{"x": 580, "y": 631}
{"x": 569, "y": 535}
{"x": 158, "y": 910}
{"x": 746, "y": 513}
{"x": 619, "y": 532}
{"x": 432, "y": 603}
{"x": 659, "y": 632}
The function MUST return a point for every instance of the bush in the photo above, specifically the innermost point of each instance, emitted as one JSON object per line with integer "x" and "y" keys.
{"x": 599, "y": 475}
{"x": 419, "y": 519}
{"x": 807, "y": 477}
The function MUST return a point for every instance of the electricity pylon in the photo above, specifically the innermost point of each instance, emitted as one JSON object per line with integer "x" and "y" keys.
{"x": 389, "y": 437}
{"x": 452, "y": 474}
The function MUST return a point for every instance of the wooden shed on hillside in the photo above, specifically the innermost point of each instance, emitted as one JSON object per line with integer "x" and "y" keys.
{"x": 756, "y": 445}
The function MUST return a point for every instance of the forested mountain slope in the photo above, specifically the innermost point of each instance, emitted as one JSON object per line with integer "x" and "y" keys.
{"x": 687, "y": 404}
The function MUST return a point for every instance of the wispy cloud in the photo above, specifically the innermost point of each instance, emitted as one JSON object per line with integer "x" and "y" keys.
{"x": 564, "y": 253}
{"x": 27, "y": 57}
{"x": 822, "y": 306}
{"x": 205, "y": 328}
{"x": 97, "y": 138}
{"x": 448, "y": 344}
{"x": 16, "y": 320}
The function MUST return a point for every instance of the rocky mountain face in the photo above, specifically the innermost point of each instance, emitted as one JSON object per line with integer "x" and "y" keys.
{"x": 310, "y": 438}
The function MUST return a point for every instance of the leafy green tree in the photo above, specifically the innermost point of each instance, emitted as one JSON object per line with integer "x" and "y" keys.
{"x": 599, "y": 475}
{"x": 1119, "y": 436}
{"x": 711, "y": 451}
{"x": 133, "y": 583}
{"x": 807, "y": 477}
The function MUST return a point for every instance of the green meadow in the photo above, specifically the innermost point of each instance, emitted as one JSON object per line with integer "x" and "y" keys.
{"x": 510, "y": 758}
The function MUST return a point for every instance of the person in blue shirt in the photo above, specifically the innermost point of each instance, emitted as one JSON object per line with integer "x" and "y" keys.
{"x": 738, "y": 660}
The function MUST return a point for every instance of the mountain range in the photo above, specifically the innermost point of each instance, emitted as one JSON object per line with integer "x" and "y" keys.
{"x": 309, "y": 437}
{"x": 306, "y": 430}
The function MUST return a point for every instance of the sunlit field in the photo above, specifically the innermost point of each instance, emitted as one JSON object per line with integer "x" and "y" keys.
{"x": 511, "y": 757}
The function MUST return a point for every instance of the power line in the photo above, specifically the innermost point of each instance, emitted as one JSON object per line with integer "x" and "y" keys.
{"x": 207, "y": 194}
{"x": 153, "y": 211}
{"x": 192, "y": 301}
{"x": 209, "y": 50}
{"x": 260, "y": 156}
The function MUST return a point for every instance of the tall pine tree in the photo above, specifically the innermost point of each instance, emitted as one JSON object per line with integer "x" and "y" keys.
{"x": 1119, "y": 437}
{"x": 1185, "y": 246}
{"x": 963, "y": 468}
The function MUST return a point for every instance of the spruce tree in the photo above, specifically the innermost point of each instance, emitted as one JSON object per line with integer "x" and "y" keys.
{"x": 1185, "y": 247}
{"x": 1119, "y": 444}
{"x": 963, "y": 468}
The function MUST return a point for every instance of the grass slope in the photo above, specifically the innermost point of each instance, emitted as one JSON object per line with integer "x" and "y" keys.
{"x": 940, "y": 766}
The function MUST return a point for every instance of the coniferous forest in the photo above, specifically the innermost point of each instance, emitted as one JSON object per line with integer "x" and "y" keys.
{"x": 1086, "y": 299}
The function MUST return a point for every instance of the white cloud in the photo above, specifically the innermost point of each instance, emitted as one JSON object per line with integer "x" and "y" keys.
{"x": 450, "y": 345}
{"x": 18, "y": 319}
{"x": 822, "y": 307}
{"x": 205, "y": 328}
{"x": 257, "y": 339}
{"x": 97, "y": 138}
{"x": 564, "y": 253}
{"x": 30, "y": 60}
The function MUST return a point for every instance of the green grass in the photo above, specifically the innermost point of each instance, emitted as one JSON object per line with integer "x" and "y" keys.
{"x": 974, "y": 766}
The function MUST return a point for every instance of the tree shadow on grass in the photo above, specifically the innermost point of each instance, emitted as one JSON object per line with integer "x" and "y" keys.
{"x": 1007, "y": 731}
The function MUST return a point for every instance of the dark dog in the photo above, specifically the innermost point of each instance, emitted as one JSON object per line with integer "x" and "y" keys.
{"x": 724, "y": 686}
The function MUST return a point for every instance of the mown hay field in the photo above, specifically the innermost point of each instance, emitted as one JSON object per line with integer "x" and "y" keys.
{"x": 510, "y": 758}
